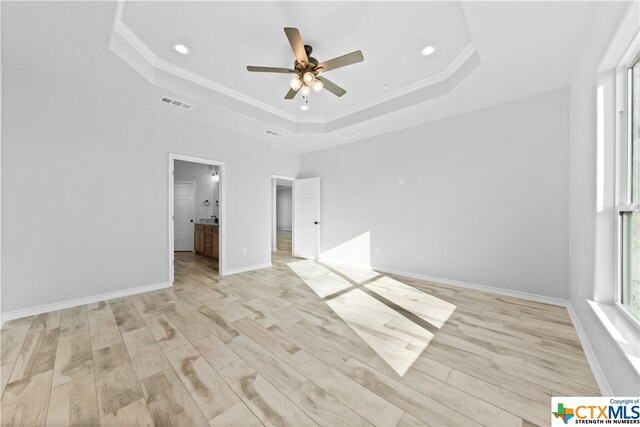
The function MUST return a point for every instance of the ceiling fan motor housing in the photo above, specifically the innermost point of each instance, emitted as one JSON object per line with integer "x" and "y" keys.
{"x": 313, "y": 62}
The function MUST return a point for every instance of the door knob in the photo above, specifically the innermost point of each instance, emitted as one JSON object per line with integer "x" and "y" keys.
{"x": 315, "y": 222}
{"x": 191, "y": 220}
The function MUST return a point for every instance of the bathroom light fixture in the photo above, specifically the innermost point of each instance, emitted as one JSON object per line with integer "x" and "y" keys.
{"x": 181, "y": 49}
{"x": 428, "y": 50}
{"x": 215, "y": 176}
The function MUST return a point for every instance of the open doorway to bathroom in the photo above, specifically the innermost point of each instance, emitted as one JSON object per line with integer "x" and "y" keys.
{"x": 195, "y": 214}
{"x": 282, "y": 214}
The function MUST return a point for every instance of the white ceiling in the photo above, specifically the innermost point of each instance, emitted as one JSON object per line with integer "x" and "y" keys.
{"x": 523, "y": 48}
{"x": 226, "y": 37}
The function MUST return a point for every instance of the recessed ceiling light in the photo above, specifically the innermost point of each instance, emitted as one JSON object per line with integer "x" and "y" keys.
{"x": 386, "y": 86}
{"x": 428, "y": 50}
{"x": 181, "y": 49}
{"x": 305, "y": 107}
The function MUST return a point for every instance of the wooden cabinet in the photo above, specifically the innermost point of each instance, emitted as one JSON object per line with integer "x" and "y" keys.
{"x": 206, "y": 240}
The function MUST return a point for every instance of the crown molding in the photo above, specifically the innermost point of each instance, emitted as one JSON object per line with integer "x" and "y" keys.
{"x": 132, "y": 50}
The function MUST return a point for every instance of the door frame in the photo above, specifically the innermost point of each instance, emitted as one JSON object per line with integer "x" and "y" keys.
{"x": 222, "y": 259}
{"x": 194, "y": 206}
{"x": 274, "y": 220}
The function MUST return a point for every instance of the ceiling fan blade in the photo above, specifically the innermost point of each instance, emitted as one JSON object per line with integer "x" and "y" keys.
{"x": 342, "y": 61}
{"x": 269, "y": 69}
{"x": 332, "y": 87}
{"x": 291, "y": 94}
{"x": 296, "y": 44}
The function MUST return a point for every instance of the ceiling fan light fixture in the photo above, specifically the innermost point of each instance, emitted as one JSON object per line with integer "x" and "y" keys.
{"x": 295, "y": 83}
{"x": 308, "y": 78}
{"x": 305, "y": 90}
{"x": 317, "y": 86}
{"x": 305, "y": 107}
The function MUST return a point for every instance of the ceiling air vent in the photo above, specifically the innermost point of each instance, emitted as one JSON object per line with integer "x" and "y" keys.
{"x": 176, "y": 103}
{"x": 348, "y": 134}
{"x": 272, "y": 133}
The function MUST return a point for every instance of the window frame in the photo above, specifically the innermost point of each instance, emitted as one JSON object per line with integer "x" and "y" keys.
{"x": 624, "y": 168}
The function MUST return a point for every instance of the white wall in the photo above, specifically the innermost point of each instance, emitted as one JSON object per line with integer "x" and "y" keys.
{"x": 93, "y": 172}
{"x": 491, "y": 208}
{"x": 205, "y": 186}
{"x": 591, "y": 241}
{"x": 284, "y": 208}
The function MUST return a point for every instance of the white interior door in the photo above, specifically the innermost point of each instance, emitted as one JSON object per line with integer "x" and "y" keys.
{"x": 183, "y": 211}
{"x": 306, "y": 216}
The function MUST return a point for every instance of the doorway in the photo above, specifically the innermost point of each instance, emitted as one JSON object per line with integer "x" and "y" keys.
{"x": 282, "y": 215}
{"x": 196, "y": 213}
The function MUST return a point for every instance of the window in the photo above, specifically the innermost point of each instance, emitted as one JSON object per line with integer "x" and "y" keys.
{"x": 629, "y": 206}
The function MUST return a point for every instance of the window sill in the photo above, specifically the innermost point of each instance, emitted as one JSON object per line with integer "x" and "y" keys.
{"x": 624, "y": 331}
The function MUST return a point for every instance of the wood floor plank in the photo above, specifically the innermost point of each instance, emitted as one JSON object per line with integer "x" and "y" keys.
{"x": 134, "y": 414}
{"x": 209, "y": 345}
{"x": 216, "y": 324}
{"x": 490, "y": 374}
{"x": 73, "y": 357}
{"x": 325, "y": 409}
{"x": 209, "y": 391}
{"x": 518, "y": 405}
{"x": 74, "y": 403}
{"x": 277, "y": 372}
{"x": 109, "y": 358}
{"x": 74, "y": 319}
{"x": 364, "y": 402}
{"x": 443, "y": 393}
{"x": 237, "y": 415}
{"x": 25, "y": 401}
{"x": 103, "y": 327}
{"x": 46, "y": 321}
{"x": 169, "y": 401}
{"x": 146, "y": 356}
{"x": 308, "y": 343}
{"x": 406, "y": 398}
{"x": 437, "y": 370}
{"x": 117, "y": 388}
{"x": 37, "y": 355}
{"x": 11, "y": 340}
{"x": 277, "y": 345}
{"x": 17, "y": 322}
{"x": 270, "y": 406}
{"x": 5, "y": 374}
{"x": 125, "y": 315}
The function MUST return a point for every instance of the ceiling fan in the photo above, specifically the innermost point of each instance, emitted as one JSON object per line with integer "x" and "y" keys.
{"x": 307, "y": 68}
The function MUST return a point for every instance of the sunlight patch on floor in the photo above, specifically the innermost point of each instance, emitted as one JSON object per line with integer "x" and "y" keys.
{"x": 427, "y": 307}
{"x": 321, "y": 280}
{"x": 396, "y": 320}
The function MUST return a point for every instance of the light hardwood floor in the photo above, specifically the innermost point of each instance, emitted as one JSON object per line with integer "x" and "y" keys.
{"x": 283, "y": 240}
{"x": 300, "y": 343}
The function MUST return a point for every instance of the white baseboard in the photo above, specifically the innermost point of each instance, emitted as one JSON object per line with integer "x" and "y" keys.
{"x": 45, "y": 308}
{"x": 231, "y": 271}
{"x": 477, "y": 287}
{"x": 598, "y": 373}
